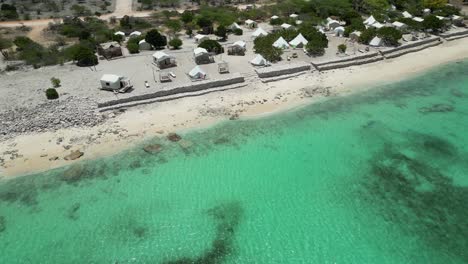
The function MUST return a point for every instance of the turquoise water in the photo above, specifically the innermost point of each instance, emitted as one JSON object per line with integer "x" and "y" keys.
{"x": 378, "y": 177}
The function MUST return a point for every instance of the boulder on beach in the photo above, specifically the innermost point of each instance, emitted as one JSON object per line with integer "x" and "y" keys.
{"x": 152, "y": 148}
{"x": 185, "y": 144}
{"x": 173, "y": 137}
{"x": 76, "y": 154}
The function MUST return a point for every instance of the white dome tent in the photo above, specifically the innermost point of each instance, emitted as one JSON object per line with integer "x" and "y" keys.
{"x": 259, "y": 61}
{"x": 259, "y": 32}
{"x": 299, "y": 41}
{"x": 281, "y": 43}
{"x": 197, "y": 73}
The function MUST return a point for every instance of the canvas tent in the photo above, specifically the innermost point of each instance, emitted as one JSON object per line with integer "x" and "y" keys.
{"x": 294, "y": 16}
{"x": 234, "y": 26}
{"x": 120, "y": 33}
{"x": 418, "y": 19}
{"x": 250, "y": 23}
{"x": 281, "y": 43}
{"x": 376, "y": 42}
{"x": 298, "y": 42}
{"x": 274, "y": 17}
{"x": 110, "y": 82}
{"x": 332, "y": 24}
{"x": 202, "y": 56}
{"x": 197, "y": 73}
{"x": 407, "y": 15}
{"x": 259, "y": 61}
{"x": 163, "y": 60}
{"x": 199, "y": 38}
{"x": 286, "y": 26}
{"x": 143, "y": 45}
{"x": 135, "y": 34}
{"x": 371, "y": 20}
{"x": 109, "y": 49}
{"x": 339, "y": 31}
{"x": 259, "y": 32}
{"x": 237, "y": 48}
{"x": 355, "y": 35}
{"x": 399, "y": 25}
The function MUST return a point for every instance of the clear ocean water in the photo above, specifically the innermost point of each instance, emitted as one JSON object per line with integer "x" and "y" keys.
{"x": 377, "y": 177}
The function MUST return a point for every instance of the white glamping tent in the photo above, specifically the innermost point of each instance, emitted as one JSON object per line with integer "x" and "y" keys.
{"x": 197, "y": 73}
{"x": 298, "y": 42}
{"x": 259, "y": 32}
{"x": 281, "y": 43}
{"x": 259, "y": 61}
{"x": 376, "y": 42}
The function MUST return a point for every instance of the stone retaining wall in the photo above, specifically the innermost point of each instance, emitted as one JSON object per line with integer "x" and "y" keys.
{"x": 274, "y": 71}
{"x": 411, "y": 45}
{"x": 454, "y": 34}
{"x": 415, "y": 49}
{"x": 183, "y": 88}
{"x": 348, "y": 63}
{"x": 350, "y": 59}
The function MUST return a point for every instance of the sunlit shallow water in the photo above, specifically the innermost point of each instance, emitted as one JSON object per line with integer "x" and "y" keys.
{"x": 378, "y": 177}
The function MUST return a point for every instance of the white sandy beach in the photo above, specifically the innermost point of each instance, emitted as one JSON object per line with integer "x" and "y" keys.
{"x": 36, "y": 152}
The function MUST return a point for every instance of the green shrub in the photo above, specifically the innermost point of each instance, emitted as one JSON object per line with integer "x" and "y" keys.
{"x": 212, "y": 46}
{"x": 342, "y": 48}
{"x": 367, "y": 35}
{"x": 390, "y": 36}
{"x": 52, "y": 94}
{"x": 175, "y": 43}
{"x": 55, "y": 82}
{"x": 133, "y": 47}
{"x": 238, "y": 32}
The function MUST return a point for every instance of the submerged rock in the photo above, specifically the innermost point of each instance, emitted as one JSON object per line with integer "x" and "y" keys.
{"x": 185, "y": 144}
{"x": 437, "y": 108}
{"x": 153, "y": 148}
{"x": 73, "y": 211}
{"x": 76, "y": 154}
{"x": 2, "y": 224}
{"x": 174, "y": 137}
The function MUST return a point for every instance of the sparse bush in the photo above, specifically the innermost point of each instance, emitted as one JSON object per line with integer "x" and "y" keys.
{"x": 175, "y": 43}
{"x": 133, "y": 47}
{"x": 55, "y": 82}
{"x": 52, "y": 94}
{"x": 342, "y": 48}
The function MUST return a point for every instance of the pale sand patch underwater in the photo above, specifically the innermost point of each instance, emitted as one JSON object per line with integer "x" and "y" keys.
{"x": 41, "y": 151}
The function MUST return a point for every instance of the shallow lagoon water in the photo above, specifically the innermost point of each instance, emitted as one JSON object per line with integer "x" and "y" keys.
{"x": 377, "y": 177}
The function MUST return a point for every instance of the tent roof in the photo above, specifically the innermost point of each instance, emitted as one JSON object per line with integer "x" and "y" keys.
{"x": 161, "y": 55}
{"x": 440, "y": 17}
{"x": 371, "y": 20}
{"x": 259, "y": 32}
{"x": 196, "y": 71}
{"x": 377, "y": 25}
{"x": 274, "y": 17}
{"x": 285, "y": 25}
{"x": 418, "y": 19}
{"x": 198, "y": 51}
{"x": 110, "y": 44}
{"x": 249, "y": 21}
{"x": 135, "y": 33}
{"x": 398, "y": 24}
{"x": 119, "y": 33}
{"x": 357, "y": 33}
{"x": 111, "y": 78}
{"x": 142, "y": 41}
{"x": 281, "y": 43}
{"x": 258, "y": 60}
{"x": 407, "y": 15}
{"x": 239, "y": 43}
{"x": 299, "y": 39}
{"x": 200, "y": 36}
{"x": 339, "y": 29}
{"x": 376, "y": 41}
{"x": 293, "y": 15}
{"x": 234, "y": 25}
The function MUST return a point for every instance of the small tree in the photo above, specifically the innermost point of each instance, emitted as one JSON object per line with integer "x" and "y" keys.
{"x": 175, "y": 43}
{"x": 5, "y": 44}
{"x": 212, "y": 46}
{"x": 154, "y": 38}
{"x": 238, "y": 32}
{"x": 431, "y": 22}
{"x": 221, "y": 32}
{"x": 174, "y": 25}
{"x": 52, "y": 94}
{"x": 342, "y": 48}
{"x": 85, "y": 57}
{"x": 367, "y": 35}
{"x": 55, "y": 82}
{"x": 390, "y": 36}
{"x": 133, "y": 47}
{"x": 187, "y": 16}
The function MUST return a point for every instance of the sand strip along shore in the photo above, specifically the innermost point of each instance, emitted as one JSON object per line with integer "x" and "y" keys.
{"x": 42, "y": 151}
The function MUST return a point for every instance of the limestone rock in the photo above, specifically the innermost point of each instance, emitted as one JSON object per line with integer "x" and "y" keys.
{"x": 153, "y": 148}
{"x": 76, "y": 154}
{"x": 174, "y": 137}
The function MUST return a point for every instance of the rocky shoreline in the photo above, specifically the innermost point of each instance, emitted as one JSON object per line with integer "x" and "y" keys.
{"x": 51, "y": 116}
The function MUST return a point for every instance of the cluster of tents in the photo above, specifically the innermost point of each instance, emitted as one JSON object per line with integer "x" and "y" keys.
{"x": 298, "y": 42}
